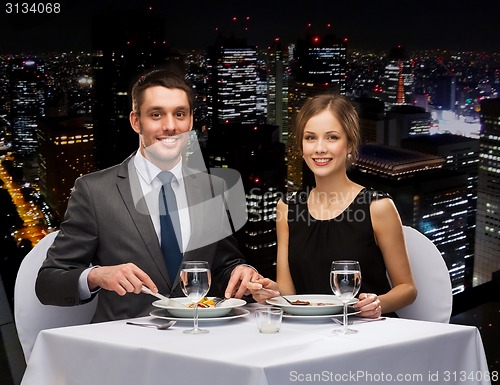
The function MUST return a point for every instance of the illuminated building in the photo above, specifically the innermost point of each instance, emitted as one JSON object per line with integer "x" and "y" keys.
{"x": 259, "y": 158}
{"x": 234, "y": 81}
{"x": 403, "y": 121}
{"x": 239, "y": 140}
{"x": 461, "y": 154}
{"x": 66, "y": 151}
{"x": 236, "y": 118}
{"x": 398, "y": 78}
{"x": 321, "y": 60}
{"x": 487, "y": 257}
{"x": 429, "y": 198}
{"x": 277, "y": 86}
{"x": 319, "y": 65}
{"x": 27, "y": 96}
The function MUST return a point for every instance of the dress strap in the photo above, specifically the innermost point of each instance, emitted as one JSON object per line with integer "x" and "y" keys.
{"x": 370, "y": 194}
{"x": 296, "y": 197}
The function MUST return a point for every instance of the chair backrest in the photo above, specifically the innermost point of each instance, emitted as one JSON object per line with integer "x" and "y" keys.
{"x": 30, "y": 315}
{"x": 434, "y": 301}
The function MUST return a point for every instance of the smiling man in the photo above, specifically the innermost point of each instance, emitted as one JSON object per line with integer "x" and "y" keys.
{"x": 113, "y": 239}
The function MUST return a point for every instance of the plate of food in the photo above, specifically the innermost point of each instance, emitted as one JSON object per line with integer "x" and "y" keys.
{"x": 234, "y": 313}
{"x": 182, "y": 307}
{"x": 350, "y": 312}
{"x": 310, "y": 304}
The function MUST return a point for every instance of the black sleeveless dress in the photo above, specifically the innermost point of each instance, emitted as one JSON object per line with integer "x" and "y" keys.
{"x": 314, "y": 244}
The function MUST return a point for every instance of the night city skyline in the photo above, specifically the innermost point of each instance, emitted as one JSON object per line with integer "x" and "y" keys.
{"x": 423, "y": 76}
{"x": 441, "y": 90}
{"x": 368, "y": 25}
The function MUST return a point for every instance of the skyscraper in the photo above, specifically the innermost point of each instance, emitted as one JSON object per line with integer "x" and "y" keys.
{"x": 430, "y": 199}
{"x": 403, "y": 121}
{"x": 234, "y": 81}
{"x": 461, "y": 154}
{"x": 321, "y": 60}
{"x": 258, "y": 156}
{"x": 277, "y": 88}
{"x": 398, "y": 78}
{"x": 318, "y": 65}
{"x": 27, "y": 96}
{"x": 487, "y": 258}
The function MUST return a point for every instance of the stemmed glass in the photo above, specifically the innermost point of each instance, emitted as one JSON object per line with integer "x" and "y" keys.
{"x": 195, "y": 282}
{"x": 345, "y": 281}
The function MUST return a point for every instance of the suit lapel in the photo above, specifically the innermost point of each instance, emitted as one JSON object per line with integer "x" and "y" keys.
{"x": 131, "y": 193}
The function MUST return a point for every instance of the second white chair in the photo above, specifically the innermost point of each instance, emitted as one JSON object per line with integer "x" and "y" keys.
{"x": 434, "y": 301}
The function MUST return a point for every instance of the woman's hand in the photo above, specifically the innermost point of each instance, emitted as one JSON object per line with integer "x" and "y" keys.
{"x": 263, "y": 289}
{"x": 369, "y": 304}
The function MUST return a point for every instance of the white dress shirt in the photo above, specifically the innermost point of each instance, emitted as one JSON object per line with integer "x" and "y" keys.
{"x": 151, "y": 186}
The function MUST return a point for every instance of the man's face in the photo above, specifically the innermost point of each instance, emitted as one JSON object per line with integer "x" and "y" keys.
{"x": 163, "y": 125}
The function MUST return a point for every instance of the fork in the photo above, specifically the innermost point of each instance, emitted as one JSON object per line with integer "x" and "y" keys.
{"x": 279, "y": 295}
{"x": 287, "y": 300}
{"x": 164, "y": 326}
{"x": 290, "y": 302}
{"x": 218, "y": 301}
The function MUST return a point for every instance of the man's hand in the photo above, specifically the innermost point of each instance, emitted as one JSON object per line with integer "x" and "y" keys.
{"x": 122, "y": 279}
{"x": 240, "y": 276}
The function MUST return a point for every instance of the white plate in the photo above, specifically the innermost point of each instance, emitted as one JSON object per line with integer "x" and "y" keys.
{"x": 209, "y": 312}
{"x": 350, "y": 311}
{"x": 233, "y": 313}
{"x": 321, "y": 304}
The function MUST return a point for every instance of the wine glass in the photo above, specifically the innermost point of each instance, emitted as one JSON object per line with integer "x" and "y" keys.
{"x": 345, "y": 281}
{"x": 195, "y": 282}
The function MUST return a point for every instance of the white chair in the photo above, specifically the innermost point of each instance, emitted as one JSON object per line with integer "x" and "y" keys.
{"x": 30, "y": 315}
{"x": 434, "y": 301}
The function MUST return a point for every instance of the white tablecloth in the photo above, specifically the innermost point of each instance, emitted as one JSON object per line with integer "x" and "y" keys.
{"x": 235, "y": 353}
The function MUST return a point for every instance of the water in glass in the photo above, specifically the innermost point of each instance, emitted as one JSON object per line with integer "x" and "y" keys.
{"x": 195, "y": 282}
{"x": 345, "y": 281}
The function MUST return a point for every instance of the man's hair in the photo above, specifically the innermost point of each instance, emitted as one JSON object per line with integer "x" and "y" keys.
{"x": 160, "y": 77}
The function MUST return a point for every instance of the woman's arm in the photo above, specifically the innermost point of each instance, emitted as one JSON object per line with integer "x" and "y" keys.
{"x": 389, "y": 236}
{"x": 283, "y": 276}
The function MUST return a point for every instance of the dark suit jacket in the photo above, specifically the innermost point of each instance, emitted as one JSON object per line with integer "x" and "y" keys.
{"x": 106, "y": 225}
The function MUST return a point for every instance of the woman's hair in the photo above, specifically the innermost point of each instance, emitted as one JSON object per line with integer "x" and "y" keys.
{"x": 160, "y": 77}
{"x": 342, "y": 108}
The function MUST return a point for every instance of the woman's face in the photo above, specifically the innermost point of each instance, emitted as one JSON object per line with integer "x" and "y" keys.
{"x": 324, "y": 144}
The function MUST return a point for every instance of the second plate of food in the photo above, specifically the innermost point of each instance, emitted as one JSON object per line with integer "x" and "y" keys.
{"x": 310, "y": 304}
{"x": 187, "y": 310}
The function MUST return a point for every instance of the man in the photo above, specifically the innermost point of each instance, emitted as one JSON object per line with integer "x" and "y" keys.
{"x": 119, "y": 236}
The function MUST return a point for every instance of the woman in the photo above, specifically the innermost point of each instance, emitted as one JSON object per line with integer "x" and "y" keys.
{"x": 338, "y": 219}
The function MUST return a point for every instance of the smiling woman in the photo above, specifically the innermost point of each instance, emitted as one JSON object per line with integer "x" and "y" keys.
{"x": 338, "y": 219}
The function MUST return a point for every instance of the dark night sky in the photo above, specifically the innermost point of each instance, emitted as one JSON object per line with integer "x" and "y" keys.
{"x": 380, "y": 24}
